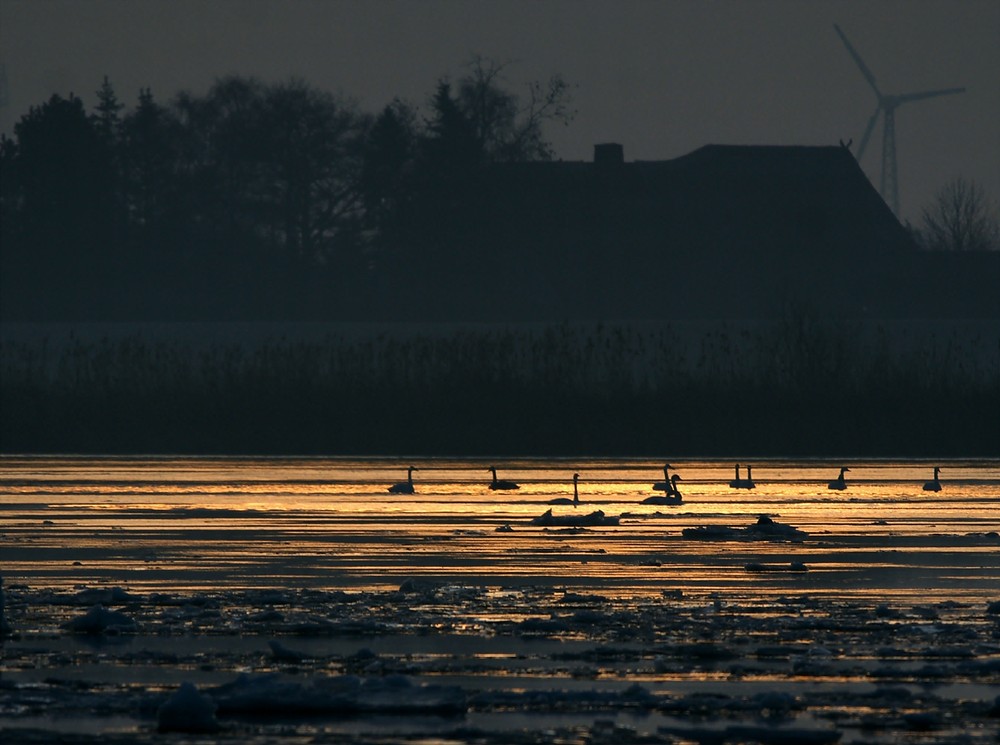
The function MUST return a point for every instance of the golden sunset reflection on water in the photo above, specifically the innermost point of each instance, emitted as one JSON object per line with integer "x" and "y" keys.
{"x": 159, "y": 523}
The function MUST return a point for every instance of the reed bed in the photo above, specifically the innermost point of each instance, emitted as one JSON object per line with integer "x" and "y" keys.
{"x": 796, "y": 388}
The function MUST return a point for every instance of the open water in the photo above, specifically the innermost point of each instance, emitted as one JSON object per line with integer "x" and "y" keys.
{"x": 330, "y": 523}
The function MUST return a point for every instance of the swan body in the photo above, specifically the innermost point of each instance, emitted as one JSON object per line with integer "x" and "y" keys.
{"x": 566, "y": 500}
{"x": 934, "y": 485}
{"x": 747, "y": 483}
{"x": 664, "y": 485}
{"x": 500, "y": 483}
{"x": 672, "y": 497}
{"x": 838, "y": 483}
{"x": 404, "y": 487}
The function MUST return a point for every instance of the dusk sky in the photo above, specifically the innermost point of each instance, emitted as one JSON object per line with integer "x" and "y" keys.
{"x": 662, "y": 78}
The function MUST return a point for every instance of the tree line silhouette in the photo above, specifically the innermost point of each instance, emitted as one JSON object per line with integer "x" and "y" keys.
{"x": 277, "y": 199}
{"x": 280, "y": 201}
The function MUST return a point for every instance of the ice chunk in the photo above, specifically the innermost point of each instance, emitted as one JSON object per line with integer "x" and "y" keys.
{"x": 711, "y": 533}
{"x": 187, "y": 711}
{"x": 595, "y": 518}
{"x": 281, "y": 653}
{"x": 419, "y": 587}
{"x": 100, "y": 620}
{"x": 765, "y": 529}
{"x": 103, "y": 596}
{"x": 273, "y": 695}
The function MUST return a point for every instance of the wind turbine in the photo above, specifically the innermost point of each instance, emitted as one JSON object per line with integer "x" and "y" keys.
{"x": 887, "y": 105}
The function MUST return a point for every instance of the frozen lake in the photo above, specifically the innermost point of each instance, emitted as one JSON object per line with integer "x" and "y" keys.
{"x": 877, "y": 623}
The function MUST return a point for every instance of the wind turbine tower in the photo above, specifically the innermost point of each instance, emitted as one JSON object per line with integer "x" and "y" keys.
{"x": 886, "y": 106}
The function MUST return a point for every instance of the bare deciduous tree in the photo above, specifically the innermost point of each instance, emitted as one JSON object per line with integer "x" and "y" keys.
{"x": 507, "y": 127}
{"x": 961, "y": 218}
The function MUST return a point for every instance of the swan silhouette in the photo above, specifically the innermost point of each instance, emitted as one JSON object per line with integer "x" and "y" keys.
{"x": 404, "y": 487}
{"x": 500, "y": 483}
{"x": 566, "y": 500}
{"x": 746, "y": 483}
{"x": 934, "y": 485}
{"x": 838, "y": 483}
{"x": 735, "y": 483}
{"x": 672, "y": 497}
{"x": 664, "y": 485}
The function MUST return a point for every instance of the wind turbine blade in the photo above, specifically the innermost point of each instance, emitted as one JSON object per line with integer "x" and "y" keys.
{"x": 860, "y": 62}
{"x": 907, "y": 97}
{"x": 868, "y": 132}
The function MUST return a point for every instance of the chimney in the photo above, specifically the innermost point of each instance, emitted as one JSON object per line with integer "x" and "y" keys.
{"x": 609, "y": 153}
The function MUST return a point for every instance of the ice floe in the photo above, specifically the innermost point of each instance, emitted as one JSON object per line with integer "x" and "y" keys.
{"x": 591, "y": 519}
{"x": 765, "y": 529}
{"x": 100, "y": 620}
{"x": 187, "y": 711}
{"x": 103, "y": 596}
{"x": 274, "y": 695}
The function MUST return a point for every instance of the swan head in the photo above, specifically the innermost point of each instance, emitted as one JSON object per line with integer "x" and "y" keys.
{"x": 676, "y": 477}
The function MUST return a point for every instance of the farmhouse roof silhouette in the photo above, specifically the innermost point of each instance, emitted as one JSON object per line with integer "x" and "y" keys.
{"x": 722, "y": 232}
